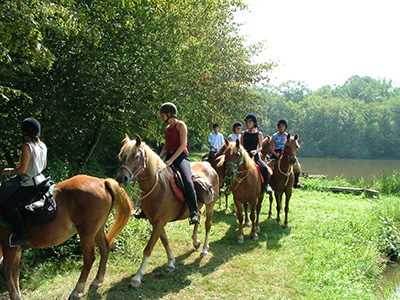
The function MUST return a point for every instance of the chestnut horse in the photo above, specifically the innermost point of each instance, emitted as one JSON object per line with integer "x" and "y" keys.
{"x": 282, "y": 178}
{"x": 159, "y": 202}
{"x": 83, "y": 206}
{"x": 220, "y": 171}
{"x": 246, "y": 185}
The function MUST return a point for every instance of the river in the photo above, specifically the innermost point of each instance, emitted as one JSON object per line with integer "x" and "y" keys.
{"x": 349, "y": 168}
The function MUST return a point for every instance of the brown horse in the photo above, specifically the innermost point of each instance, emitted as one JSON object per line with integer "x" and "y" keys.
{"x": 246, "y": 185}
{"x": 159, "y": 202}
{"x": 267, "y": 145}
{"x": 282, "y": 179}
{"x": 84, "y": 204}
{"x": 220, "y": 171}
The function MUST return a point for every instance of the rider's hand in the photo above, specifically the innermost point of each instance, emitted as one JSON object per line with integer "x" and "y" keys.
{"x": 168, "y": 162}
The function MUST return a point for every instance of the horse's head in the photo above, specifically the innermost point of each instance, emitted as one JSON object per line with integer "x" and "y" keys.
{"x": 290, "y": 149}
{"x": 133, "y": 159}
{"x": 234, "y": 156}
{"x": 267, "y": 146}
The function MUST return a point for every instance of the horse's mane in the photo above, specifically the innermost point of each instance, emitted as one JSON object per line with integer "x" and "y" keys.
{"x": 153, "y": 162}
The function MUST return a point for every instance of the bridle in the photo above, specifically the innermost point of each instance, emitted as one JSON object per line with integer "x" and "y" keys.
{"x": 290, "y": 169}
{"x": 235, "y": 171}
{"x": 135, "y": 173}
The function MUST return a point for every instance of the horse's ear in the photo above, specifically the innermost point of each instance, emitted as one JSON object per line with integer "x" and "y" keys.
{"x": 126, "y": 136}
{"x": 237, "y": 143}
{"x": 226, "y": 142}
{"x": 288, "y": 137}
{"x": 138, "y": 140}
{"x": 296, "y": 137}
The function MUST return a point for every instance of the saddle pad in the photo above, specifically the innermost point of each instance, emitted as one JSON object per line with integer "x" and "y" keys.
{"x": 178, "y": 193}
{"x": 259, "y": 173}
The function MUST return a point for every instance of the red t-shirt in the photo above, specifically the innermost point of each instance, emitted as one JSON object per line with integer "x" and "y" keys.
{"x": 172, "y": 139}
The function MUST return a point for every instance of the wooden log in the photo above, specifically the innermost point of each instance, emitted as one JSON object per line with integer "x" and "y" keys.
{"x": 337, "y": 189}
{"x": 371, "y": 193}
{"x": 306, "y": 175}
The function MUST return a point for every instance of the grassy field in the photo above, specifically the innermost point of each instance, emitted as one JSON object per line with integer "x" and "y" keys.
{"x": 332, "y": 250}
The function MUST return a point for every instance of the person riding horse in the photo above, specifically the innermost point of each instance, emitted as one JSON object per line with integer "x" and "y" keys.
{"x": 28, "y": 175}
{"x": 279, "y": 138}
{"x": 236, "y": 132}
{"x": 215, "y": 141}
{"x": 251, "y": 140}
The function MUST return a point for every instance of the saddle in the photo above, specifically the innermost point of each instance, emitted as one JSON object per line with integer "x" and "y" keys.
{"x": 203, "y": 188}
{"x": 39, "y": 207}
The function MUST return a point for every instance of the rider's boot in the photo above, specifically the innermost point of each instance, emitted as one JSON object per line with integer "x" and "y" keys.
{"x": 297, "y": 184}
{"x": 192, "y": 203}
{"x": 19, "y": 237}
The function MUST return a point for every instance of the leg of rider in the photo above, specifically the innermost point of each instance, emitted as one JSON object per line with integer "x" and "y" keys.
{"x": 264, "y": 172}
{"x": 19, "y": 236}
{"x": 183, "y": 164}
{"x": 296, "y": 170}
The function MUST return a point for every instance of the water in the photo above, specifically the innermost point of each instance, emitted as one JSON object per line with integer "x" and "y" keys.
{"x": 349, "y": 168}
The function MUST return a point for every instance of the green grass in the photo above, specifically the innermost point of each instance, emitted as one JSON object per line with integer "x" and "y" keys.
{"x": 334, "y": 249}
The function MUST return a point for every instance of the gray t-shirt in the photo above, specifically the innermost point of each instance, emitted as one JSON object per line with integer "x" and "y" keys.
{"x": 33, "y": 175}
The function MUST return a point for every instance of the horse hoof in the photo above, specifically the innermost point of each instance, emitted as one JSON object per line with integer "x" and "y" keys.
{"x": 204, "y": 253}
{"x": 196, "y": 245}
{"x": 134, "y": 283}
{"x": 94, "y": 285}
{"x": 220, "y": 207}
{"x": 246, "y": 225}
{"x": 169, "y": 269}
{"x": 254, "y": 237}
{"x": 258, "y": 229}
{"x": 74, "y": 296}
{"x": 240, "y": 240}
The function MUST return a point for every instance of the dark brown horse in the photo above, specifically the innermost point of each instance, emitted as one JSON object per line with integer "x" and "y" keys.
{"x": 246, "y": 185}
{"x": 220, "y": 171}
{"x": 282, "y": 178}
{"x": 84, "y": 204}
{"x": 159, "y": 202}
{"x": 267, "y": 146}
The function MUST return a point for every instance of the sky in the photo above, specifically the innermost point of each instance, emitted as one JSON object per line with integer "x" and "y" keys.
{"x": 321, "y": 42}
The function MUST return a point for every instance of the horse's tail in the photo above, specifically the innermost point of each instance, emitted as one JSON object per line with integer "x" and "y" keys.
{"x": 123, "y": 205}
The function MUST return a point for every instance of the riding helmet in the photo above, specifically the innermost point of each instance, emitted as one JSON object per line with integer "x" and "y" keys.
{"x": 282, "y": 121}
{"x": 169, "y": 107}
{"x": 253, "y": 118}
{"x": 215, "y": 125}
{"x": 235, "y": 125}
{"x": 31, "y": 126}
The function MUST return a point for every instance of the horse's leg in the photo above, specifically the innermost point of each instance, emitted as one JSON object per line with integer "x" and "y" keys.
{"x": 10, "y": 271}
{"x": 246, "y": 216}
{"x": 259, "y": 205}
{"x": 195, "y": 240}
{"x": 171, "y": 258}
{"x": 271, "y": 199}
{"x": 253, "y": 220}
{"x": 104, "y": 249}
{"x": 220, "y": 198}
{"x": 239, "y": 213}
{"x": 278, "y": 198}
{"x": 87, "y": 247}
{"x": 158, "y": 228}
{"x": 208, "y": 223}
{"x": 227, "y": 202}
{"x": 288, "y": 194}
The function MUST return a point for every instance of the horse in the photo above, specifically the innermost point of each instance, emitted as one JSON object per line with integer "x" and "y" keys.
{"x": 159, "y": 202}
{"x": 267, "y": 145}
{"x": 84, "y": 204}
{"x": 220, "y": 171}
{"x": 282, "y": 178}
{"x": 246, "y": 185}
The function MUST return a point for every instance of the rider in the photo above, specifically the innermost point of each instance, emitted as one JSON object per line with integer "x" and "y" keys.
{"x": 251, "y": 140}
{"x": 176, "y": 151}
{"x": 237, "y": 129}
{"x": 28, "y": 175}
{"x": 279, "y": 138}
{"x": 215, "y": 140}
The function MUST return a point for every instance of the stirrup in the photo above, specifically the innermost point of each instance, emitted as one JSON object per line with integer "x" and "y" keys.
{"x": 194, "y": 219}
{"x": 268, "y": 189}
{"x": 17, "y": 241}
{"x": 139, "y": 214}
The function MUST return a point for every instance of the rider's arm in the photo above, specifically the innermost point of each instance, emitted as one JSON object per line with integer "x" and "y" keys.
{"x": 23, "y": 163}
{"x": 182, "y": 142}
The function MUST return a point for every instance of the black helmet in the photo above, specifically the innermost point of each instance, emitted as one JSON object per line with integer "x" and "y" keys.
{"x": 282, "y": 121}
{"x": 253, "y": 118}
{"x": 31, "y": 126}
{"x": 169, "y": 107}
{"x": 215, "y": 125}
{"x": 236, "y": 124}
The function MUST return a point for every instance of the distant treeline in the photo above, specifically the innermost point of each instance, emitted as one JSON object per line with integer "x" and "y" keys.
{"x": 359, "y": 119}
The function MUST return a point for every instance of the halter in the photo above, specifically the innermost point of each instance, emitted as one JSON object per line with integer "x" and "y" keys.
{"x": 235, "y": 171}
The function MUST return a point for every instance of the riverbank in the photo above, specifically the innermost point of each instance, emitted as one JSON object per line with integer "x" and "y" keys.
{"x": 334, "y": 249}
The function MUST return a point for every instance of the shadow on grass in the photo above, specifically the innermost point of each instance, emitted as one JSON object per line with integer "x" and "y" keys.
{"x": 157, "y": 284}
